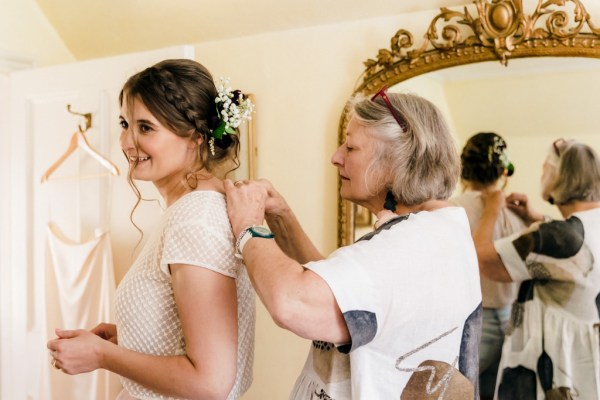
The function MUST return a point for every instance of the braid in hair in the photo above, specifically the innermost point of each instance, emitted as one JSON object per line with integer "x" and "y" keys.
{"x": 181, "y": 95}
{"x": 177, "y": 95}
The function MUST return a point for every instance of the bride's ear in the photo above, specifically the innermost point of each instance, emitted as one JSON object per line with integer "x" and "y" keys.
{"x": 196, "y": 143}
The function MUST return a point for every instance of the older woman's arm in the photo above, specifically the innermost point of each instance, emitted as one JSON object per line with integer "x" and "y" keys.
{"x": 490, "y": 263}
{"x": 291, "y": 238}
{"x": 297, "y": 299}
{"x": 519, "y": 204}
{"x": 289, "y": 234}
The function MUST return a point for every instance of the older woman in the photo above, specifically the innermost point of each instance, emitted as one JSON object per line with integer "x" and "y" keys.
{"x": 551, "y": 350}
{"x": 398, "y": 313}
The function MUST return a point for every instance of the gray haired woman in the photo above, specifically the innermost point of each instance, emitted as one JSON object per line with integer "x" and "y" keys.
{"x": 398, "y": 313}
{"x": 552, "y": 349}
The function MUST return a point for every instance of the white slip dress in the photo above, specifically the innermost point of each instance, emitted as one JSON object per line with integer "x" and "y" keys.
{"x": 80, "y": 286}
{"x": 79, "y": 280}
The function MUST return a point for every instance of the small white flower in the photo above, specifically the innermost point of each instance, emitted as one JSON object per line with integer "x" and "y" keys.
{"x": 232, "y": 113}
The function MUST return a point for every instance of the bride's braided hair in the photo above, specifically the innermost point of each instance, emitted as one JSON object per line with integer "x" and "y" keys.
{"x": 181, "y": 95}
{"x": 484, "y": 159}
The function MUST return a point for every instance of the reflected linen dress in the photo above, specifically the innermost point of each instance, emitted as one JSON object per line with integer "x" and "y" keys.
{"x": 552, "y": 343}
{"x": 194, "y": 230}
{"x": 497, "y": 296}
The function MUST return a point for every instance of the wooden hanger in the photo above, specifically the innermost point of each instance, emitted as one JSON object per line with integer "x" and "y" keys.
{"x": 78, "y": 141}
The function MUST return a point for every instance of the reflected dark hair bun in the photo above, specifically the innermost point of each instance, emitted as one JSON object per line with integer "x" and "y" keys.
{"x": 484, "y": 159}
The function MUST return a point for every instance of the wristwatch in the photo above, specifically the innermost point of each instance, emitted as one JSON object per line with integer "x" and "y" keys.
{"x": 247, "y": 234}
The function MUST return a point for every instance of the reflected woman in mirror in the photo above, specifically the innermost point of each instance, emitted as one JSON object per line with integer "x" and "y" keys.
{"x": 551, "y": 349}
{"x": 185, "y": 309}
{"x": 485, "y": 169}
{"x": 401, "y": 307}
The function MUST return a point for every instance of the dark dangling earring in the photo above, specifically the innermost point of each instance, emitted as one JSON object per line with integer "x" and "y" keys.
{"x": 390, "y": 202}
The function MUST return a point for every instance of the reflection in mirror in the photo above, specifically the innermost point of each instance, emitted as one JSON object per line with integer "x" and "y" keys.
{"x": 530, "y": 103}
{"x": 528, "y": 75}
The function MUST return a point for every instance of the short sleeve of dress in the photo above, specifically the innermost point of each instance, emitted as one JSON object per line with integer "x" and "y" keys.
{"x": 196, "y": 237}
{"x": 553, "y": 250}
{"x": 515, "y": 266}
{"x": 354, "y": 292}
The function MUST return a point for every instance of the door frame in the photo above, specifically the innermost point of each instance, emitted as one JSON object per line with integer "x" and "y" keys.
{"x": 8, "y": 64}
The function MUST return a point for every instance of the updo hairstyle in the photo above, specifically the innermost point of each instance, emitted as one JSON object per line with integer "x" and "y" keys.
{"x": 484, "y": 159}
{"x": 181, "y": 95}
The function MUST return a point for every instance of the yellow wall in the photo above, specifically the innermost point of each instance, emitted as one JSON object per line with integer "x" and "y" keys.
{"x": 301, "y": 79}
{"x": 25, "y": 33}
{"x": 529, "y": 108}
{"x": 530, "y": 111}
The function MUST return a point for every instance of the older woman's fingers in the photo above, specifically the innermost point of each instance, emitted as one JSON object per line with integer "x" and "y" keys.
{"x": 230, "y": 185}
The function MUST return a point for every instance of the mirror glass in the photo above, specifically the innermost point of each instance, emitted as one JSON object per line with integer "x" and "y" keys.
{"x": 530, "y": 102}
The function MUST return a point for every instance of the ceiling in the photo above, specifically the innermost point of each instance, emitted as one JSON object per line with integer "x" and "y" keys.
{"x": 93, "y": 28}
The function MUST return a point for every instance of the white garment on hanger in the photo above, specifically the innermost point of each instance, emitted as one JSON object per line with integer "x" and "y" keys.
{"x": 80, "y": 286}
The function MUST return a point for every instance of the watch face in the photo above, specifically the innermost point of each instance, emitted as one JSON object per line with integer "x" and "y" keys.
{"x": 261, "y": 231}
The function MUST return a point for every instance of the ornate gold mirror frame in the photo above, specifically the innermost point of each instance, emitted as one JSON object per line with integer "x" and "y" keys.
{"x": 485, "y": 30}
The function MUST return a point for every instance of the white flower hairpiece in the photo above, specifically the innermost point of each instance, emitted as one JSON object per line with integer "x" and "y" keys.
{"x": 499, "y": 148}
{"x": 233, "y": 108}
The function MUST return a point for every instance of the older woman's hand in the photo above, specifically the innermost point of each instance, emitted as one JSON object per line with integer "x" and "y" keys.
{"x": 519, "y": 204}
{"x": 276, "y": 204}
{"x": 246, "y": 202}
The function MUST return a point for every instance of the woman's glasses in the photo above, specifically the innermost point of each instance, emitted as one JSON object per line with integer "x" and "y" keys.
{"x": 558, "y": 145}
{"x": 389, "y": 105}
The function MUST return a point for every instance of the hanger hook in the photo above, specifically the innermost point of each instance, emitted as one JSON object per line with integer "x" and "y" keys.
{"x": 87, "y": 116}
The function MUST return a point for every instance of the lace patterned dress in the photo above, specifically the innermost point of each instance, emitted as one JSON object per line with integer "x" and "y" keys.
{"x": 194, "y": 230}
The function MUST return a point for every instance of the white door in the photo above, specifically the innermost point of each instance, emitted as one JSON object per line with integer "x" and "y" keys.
{"x": 39, "y": 132}
{"x": 5, "y": 301}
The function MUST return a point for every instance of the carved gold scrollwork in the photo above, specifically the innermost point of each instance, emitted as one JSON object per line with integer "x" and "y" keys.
{"x": 485, "y": 30}
{"x": 497, "y": 25}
